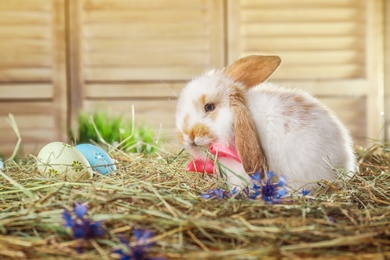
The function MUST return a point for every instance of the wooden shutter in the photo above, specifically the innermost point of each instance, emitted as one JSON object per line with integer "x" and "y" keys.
{"x": 331, "y": 48}
{"x": 141, "y": 53}
{"x": 32, "y": 72}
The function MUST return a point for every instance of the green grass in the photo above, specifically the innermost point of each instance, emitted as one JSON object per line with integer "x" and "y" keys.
{"x": 116, "y": 131}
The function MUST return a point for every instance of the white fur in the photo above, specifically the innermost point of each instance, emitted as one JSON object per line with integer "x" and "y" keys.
{"x": 303, "y": 151}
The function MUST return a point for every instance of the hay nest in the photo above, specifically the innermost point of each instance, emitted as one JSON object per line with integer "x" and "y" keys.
{"x": 157, "y": 194}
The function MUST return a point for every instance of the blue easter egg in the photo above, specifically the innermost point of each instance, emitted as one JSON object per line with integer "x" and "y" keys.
{"x": 99, "y": 160}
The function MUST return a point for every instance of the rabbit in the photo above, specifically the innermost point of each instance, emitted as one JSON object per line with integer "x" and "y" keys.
{"x": 262, "y": 126}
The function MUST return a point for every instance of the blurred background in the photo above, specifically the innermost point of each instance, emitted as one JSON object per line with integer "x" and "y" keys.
{"x": 61, "y": 57}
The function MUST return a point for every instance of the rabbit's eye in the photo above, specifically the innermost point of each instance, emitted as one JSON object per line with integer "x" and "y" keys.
{"x": 209, "y": 107}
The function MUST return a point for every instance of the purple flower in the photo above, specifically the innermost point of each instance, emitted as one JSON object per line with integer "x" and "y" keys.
{"x": 138, "y": 251}
{"x": 82, "y": 227}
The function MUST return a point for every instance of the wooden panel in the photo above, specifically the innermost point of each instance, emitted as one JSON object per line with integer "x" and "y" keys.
{"x": 145, "y": 4}
{"x": 14, "y": 17}
{"x": 303, "y": 14}
{"x": 133, "y": 90}
{"x": 29, "y": 136}
{"x": 23, "y": 5}
{"x": 36, "y": 122}
{"x": 25, "y": 31}
{"x": 26, "y": 108}
{"x": 305, "y": 43}
{"x": 316, "y": 39}
{"x": 345, "y": 88}
{"x": 25, "y": 74}
{"x": 26, "y": 91}
{"x": 152, "y": 40}
{"x": 299, "y": 4}
{"x": 26, "y": 149}
{"x": 330, "y": 48}
{"x": 164, "y": 44}
{"x": 25, "y": 48}
{"x": 155, "y": 113}
{"x": 25, "y": 121}
{"x": 22, "y": 59}
{"x": 137, "y": 73}
{"x": 32, "y": 72}
{"x": 151, "y": 15}
{"x": 387, "y": 70}
{"x": 352, "y": 112}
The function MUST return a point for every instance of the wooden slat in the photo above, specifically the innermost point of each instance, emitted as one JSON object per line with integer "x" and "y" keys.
{"x": 146, "y": 16}
{"x": 26, "y": 91}
{"x": 134, "y": 90}
{"x": 36, "y": 5}
{"x": 25, "y": 32}
{"x": 329, "y": 88}
{"x": 330, "y": 72}
{"x": 30, "y": 135}
{"x": 320, "y": 57}
{"x": 304, "y": 14}
{"x": 304, "y": 43}
{"x": 140, "y": 73}
{"x": 145, "y": 4}
{"x": 23, "y": 18}
{"x": 24, "y": 46}
{"x": 33, "y": 121}
{"x": 152, "y": 58}
{"x": 299, "y": 3}
{"x": 153, "y": 112}
{"x": 26, "y": 108}
{"x": 160, "y": 44}
{"x": 303, "y": 29}
{"x": 137, "y": 30}
{"x": 6, "y": 149}
{"x": 25, "y": 74}
{"x": 24, "y": 59}
{"x": 374, "y": 68}
{"x": 59, "y": 72}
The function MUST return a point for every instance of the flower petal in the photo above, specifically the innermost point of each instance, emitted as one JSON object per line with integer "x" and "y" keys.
{"x": 80, "y": 209}
{"x": 67, "y": 218}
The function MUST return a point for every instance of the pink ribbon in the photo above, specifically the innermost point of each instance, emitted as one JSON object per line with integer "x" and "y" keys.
{"x": 207, "y": 165}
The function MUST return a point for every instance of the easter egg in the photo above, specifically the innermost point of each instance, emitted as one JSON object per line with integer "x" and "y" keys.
{"x": 63, "y": 161}
{"x": 99, "y": 160}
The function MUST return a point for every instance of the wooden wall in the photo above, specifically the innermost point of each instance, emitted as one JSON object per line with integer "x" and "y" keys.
{"x": 32, "y": 72}
{"x": 59, "y": 57}
{"x": 387, "y": 70}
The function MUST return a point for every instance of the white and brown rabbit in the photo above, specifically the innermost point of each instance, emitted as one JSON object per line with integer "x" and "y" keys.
{"x": 250, "y": 125}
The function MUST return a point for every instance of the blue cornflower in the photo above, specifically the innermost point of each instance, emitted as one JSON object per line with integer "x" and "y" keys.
{"x": 305, "y": 192}
{"x": 269, "y": 190}
{"x": 80, "y": 226}
{"x": 138, "y": 251}
{"x": 217, "y": 194}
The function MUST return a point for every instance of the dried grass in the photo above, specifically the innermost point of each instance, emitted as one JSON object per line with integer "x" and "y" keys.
{"x": 156, "y": 193}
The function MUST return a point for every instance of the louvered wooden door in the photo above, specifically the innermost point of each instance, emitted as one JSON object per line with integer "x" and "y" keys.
{"x": 141, "y": 53}
{"x": 328, "y": 47}
{"x": 32, "y": 72}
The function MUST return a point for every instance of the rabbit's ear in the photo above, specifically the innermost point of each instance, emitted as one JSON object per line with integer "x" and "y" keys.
{"x": 252, "y": 70}
{"x": 246, "y": 138}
